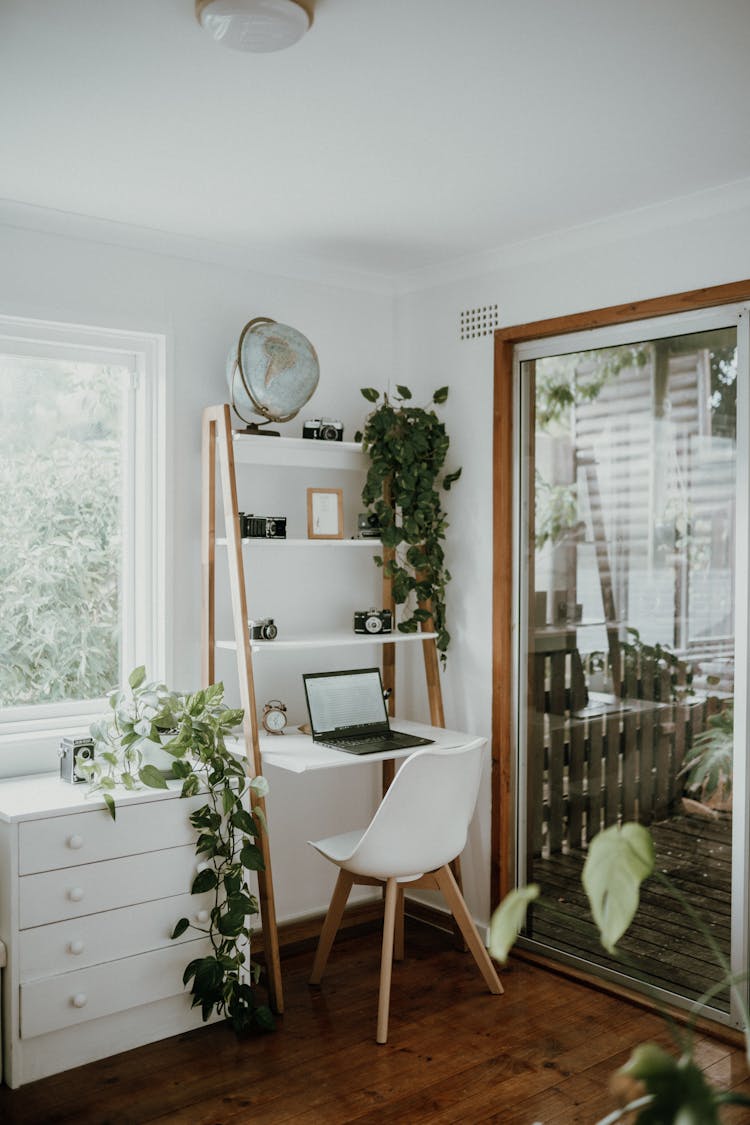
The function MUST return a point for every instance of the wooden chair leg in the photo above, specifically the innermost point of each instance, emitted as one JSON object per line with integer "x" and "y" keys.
{"x": 398, "y": 935}
{"x": 458, "y": 937}
{"x": 455, "y": 900}
{"x": 331, "y": 924}
{"x": 386, "y": 961}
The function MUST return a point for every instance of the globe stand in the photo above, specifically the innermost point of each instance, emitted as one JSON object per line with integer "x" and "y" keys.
{"x": 256, "y": 428}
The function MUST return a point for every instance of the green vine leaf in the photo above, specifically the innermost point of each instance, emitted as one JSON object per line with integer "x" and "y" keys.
{"x": 243, "y": 822}
{"x": 403, "y": 391}
{"x": 180, "y": 928}
{"x": 190, "y": 786}
{"x": 440, "y": 395}
{"x": 370, "y": 394}
{"x": 205, "y": 880}
{"x": 136, "y": 677}
{"x": 251, "y": 857}
{"x": 152, "y": 777}
{"x": 110, "y": 803}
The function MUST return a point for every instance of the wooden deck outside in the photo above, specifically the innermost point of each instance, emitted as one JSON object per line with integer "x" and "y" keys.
{"x": 662, "y": 946}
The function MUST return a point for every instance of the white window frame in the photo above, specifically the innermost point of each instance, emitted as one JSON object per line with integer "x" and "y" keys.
{"x": 29, "y": 735}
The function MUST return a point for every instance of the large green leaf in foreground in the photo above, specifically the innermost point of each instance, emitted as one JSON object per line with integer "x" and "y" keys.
{"x": 619, "y": 860}
{"x": 508, "y": 920}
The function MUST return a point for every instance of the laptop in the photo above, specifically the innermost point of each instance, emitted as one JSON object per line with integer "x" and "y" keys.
{"x": 347, "y": 712}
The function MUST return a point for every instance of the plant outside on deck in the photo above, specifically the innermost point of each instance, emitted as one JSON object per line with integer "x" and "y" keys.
{"x": 192, "y": 729}
{"x": 664, "y": 1090}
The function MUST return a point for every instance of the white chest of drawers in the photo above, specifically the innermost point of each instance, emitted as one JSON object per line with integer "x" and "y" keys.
{"x": 87, "y": 906}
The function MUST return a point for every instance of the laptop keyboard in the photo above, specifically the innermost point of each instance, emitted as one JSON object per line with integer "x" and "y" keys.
{"x": 377, "y": 741}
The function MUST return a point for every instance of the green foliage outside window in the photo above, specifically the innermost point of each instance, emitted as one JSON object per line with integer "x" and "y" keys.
{"x": 60, "y": 548}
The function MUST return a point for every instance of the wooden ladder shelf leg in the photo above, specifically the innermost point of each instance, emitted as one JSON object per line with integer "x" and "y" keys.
{"x": 217, "y": 445}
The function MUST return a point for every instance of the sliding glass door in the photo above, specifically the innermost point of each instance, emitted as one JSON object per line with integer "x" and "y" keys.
{"x": 633, "y": 635}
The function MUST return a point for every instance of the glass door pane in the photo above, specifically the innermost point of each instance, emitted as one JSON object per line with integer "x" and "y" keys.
{"x": 630, "y": 582}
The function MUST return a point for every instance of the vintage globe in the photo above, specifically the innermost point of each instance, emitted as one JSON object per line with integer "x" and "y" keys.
{"x": 272, "y": 372}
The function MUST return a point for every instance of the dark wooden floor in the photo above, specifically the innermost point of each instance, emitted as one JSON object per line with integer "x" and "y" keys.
{"x": 542, "y": 1052}
{"x": 662, "y": 945}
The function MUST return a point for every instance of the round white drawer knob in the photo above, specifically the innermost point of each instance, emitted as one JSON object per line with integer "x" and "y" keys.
{"x": 79, "y": 1000}
{"x": 202, "y": 916}
{"x": 75, "y": 842}
{"x": 75, "y": 947}
{"x": 75, "y": 894}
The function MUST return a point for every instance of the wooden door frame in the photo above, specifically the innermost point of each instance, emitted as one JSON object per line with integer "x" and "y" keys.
{"x": 503, "y": 567}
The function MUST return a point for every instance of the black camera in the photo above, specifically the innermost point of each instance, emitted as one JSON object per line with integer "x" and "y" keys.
{"x": 373, "y": 621}
{"x": 262, "y": 527}
{"x": 73, "y": 753}
{"x": 368, "y": 525}
{"x": 323, "y": 429}
{"x": 262, "y": 629}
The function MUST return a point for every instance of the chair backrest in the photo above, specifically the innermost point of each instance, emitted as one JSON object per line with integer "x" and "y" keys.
{"x": 423, "y": 820}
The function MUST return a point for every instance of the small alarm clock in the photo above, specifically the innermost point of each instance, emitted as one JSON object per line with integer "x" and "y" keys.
{"x": 274, "y": 716}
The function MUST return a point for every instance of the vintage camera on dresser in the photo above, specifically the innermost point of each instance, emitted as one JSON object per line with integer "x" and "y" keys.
{"x": 262, "y": 629}
{"x": 373, "y": 621}
{"x": 73, "y": 753}
{"x": 323, "y": 429}
{"x": 262, "y": 527}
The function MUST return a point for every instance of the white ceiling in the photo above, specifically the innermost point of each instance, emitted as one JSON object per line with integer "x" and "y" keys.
{"x": 397, "y": 135}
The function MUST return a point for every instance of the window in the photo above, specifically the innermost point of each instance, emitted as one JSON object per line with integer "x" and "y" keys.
{"x": 81, "y": 540}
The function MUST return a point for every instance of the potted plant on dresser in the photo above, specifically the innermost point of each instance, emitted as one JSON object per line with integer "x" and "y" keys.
{"x": 190, "y": 731}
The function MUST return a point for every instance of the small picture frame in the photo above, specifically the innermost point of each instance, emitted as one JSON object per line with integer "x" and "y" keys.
{"x": 325, "y": 513}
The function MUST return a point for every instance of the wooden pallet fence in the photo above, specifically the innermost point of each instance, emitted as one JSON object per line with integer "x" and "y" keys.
{"x": 591, "y": 765}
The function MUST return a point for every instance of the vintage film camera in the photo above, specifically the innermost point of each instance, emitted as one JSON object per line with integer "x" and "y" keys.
{"x": 323, "y": 429}
{"x": 262, "y": 629}
{"x": 72, "y": 752}
{"x": 262, "y": 527}
{"x": 368, "y": 526}
{"x": 373, "y": 621}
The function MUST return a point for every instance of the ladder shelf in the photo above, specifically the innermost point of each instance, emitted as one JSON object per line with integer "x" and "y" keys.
{"x": 222, "y": 450}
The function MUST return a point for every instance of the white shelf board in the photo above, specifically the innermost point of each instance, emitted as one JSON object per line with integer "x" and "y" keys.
{"x": 298, "y": 453}
{"x": 330, "y": 640}
{"x": 373, "y": 544}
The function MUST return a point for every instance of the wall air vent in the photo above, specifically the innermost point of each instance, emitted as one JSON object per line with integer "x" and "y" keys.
{"x": 478, "y": 322}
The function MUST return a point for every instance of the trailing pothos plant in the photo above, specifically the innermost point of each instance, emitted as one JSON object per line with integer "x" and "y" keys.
{"x": 192, "y": 730}
{"x": 407, "y": 446}
{"x": 655, "y": 1085}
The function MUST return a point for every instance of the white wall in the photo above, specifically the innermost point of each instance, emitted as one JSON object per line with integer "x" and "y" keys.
{"x": 607, "y": 264}
{"x": 201, "y": 307}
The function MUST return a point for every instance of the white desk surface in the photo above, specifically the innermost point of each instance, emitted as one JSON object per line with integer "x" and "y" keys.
{"x": 298, "y": 753}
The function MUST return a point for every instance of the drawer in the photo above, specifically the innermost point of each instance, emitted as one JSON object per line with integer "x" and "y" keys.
{"x": 53, "y": 1003}
{"x": 87, "y": 837}
{"x": 52, "y": 896}
{"x": 64, "y": 947}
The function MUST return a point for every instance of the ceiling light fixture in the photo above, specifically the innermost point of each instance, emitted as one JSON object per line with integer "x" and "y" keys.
{"x": 255, "y": 25}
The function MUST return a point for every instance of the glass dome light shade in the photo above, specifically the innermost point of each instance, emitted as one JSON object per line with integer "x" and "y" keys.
{"x": 254, "y": 25}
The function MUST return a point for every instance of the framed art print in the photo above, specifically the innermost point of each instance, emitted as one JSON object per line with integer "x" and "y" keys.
{"x": 325, "y": 513}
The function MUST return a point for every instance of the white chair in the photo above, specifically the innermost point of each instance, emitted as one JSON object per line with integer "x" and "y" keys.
{"x": 418, "y": 830}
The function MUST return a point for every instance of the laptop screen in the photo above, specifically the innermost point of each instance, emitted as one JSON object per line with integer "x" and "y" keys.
{"x": 346, "y": 702}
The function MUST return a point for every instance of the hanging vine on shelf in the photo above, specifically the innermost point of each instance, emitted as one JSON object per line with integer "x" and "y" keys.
{"x": 407, "y": 446}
